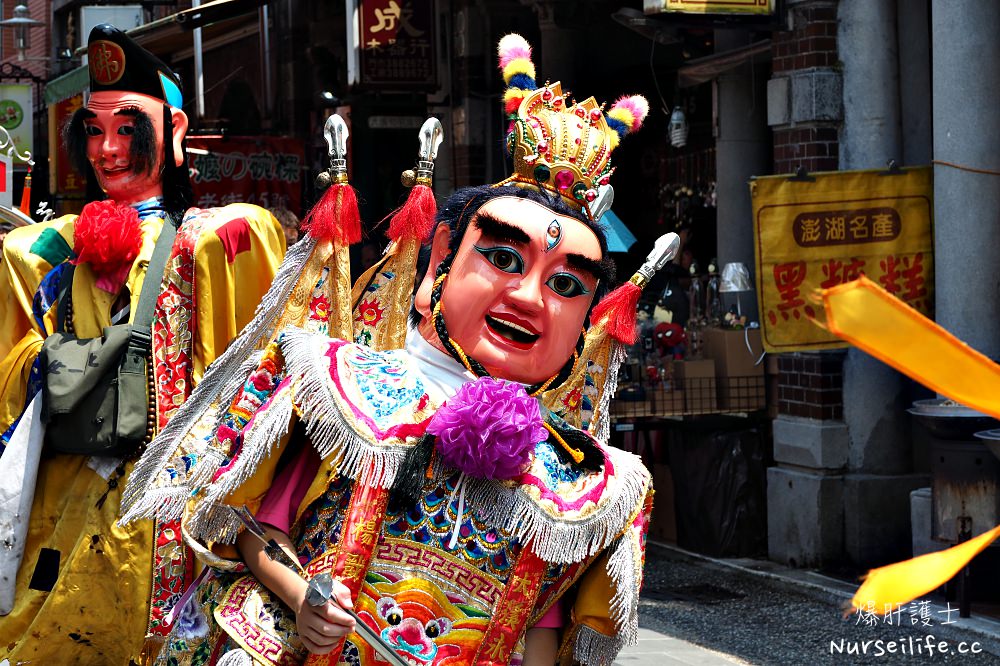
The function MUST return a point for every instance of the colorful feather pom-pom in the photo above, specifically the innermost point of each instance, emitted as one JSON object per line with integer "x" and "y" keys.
{"x": 512, "y": 47}
{"x": 630, "y": 112}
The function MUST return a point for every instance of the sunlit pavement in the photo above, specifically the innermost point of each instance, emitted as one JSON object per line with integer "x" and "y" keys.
{"x": 656, "y": 649}
{"x": 699, "y": 610}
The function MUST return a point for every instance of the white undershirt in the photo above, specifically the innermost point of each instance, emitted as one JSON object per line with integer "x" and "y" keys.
{"x": 442, "y": 374}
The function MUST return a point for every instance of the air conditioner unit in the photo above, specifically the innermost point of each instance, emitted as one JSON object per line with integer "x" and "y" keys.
{"x": 123, "y": 17}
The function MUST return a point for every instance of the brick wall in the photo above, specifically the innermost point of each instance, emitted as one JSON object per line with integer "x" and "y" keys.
{"x": 39, "y": 10}
{"x": 805, "y": 112}
{"x": 814, "y": 148}
{"x": 810, "y": 385}
{"x": 811, "y": 45}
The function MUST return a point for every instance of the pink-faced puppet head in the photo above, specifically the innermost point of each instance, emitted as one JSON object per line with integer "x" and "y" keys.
{"x": 521, "y": 274}
{"x": 129, "y": 137}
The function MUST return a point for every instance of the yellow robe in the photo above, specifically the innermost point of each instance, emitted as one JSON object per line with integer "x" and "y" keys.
{"x": 98, "y": 610}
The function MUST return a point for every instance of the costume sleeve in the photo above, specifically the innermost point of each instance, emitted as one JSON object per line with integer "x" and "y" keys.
{"x": 289, "y": 489}
{"x": 28, "y": 254}
{"x": 236, "y": 257}
{"x": 605, "y": 614}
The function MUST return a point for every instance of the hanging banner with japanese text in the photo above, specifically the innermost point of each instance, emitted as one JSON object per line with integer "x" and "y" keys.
{"x": 828, "y": 229}
{"x": 710, "y": 6}
{"x": 261, "y": 170}
{"x": 397, "y": 44}
{"x": 16, "y": 116}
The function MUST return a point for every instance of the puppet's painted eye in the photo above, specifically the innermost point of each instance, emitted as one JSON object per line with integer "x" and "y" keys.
{"x": 566, "y": 285}
{"x": 92, "y": 130}
{"x": 504, "y": 258}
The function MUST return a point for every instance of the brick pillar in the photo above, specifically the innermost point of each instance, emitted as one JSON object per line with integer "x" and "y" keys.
{"x": 805, "y": 491}
{"x": 844, "y": 470}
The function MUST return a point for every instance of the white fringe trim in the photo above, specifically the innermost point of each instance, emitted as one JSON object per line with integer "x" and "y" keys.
{"x": 351, "y": 452}
{"x": 223, "y": 379}
{"x": 259, "y": 439}
{"x": 559, "y": 540}
{"x": 593, "y": 648}
{"x": 602, "y": 429}
{"x": 622, "y": 564}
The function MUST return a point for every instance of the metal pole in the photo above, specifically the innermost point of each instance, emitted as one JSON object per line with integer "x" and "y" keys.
{"x": 265, "y": 47}
{"x": 199, "y": 72}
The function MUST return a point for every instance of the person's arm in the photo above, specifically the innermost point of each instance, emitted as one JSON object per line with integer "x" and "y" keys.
{"x": 541, "y": 646}
{"x": 320, "y": 627}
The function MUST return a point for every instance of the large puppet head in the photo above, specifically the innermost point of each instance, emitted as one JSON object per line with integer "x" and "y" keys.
{"x": 129, "y": 137}
{"x": 515, "y": 268}
{"x": 515, "y": 272}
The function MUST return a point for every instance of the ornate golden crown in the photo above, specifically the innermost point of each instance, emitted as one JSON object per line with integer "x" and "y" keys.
{"x": 559, "y": 146}
{"x": 562, "y": 148}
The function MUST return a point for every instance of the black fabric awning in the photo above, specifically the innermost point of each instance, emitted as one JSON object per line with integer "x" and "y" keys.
{"x": 705, "y": 69}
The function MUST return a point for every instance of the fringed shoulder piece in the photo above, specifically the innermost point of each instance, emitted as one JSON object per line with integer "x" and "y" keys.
{"x": 181, "y": 456}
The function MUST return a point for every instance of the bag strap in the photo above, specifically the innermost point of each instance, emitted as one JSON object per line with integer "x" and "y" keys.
{"x": 143, "y": 320}
{"x": 65, "y": 294}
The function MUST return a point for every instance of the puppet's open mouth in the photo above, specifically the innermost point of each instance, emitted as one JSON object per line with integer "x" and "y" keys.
{"x": 114, "y": 172}
{"x": 510, "y": 331}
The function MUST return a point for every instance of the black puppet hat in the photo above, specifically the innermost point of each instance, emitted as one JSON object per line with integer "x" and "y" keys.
{"x": 118, "y": 63}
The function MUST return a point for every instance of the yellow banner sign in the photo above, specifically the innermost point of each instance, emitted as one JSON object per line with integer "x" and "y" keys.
{"x": 830, "y": 228}
{"x": 710, "y": 6}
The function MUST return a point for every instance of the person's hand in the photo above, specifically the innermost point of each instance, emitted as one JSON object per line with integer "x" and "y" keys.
{"x": 320, "y": 627}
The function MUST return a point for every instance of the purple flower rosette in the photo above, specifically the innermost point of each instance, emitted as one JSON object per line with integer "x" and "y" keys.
{"x": 489, "y": 429}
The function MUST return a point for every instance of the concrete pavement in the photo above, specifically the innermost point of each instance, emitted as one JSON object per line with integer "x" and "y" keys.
{"x": 700, "y": 610}
{"x": 658, "y": 649}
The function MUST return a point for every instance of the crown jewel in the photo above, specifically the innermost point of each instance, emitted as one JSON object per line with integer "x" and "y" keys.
{"x": 559, "y": 146}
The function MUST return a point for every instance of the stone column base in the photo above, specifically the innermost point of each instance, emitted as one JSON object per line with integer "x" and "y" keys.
{"x": 805, "y": 517}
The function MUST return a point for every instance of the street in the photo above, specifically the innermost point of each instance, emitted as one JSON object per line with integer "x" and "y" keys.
{"x": 696, "y": 610}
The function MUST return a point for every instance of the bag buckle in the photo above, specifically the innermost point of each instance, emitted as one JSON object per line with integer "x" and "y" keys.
{"x": 141, "y": 340}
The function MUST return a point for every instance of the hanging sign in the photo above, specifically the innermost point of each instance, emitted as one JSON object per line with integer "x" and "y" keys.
{"x": 710, "y": 6}
{"x": 829, "y": 228}
{"x": 261, "y": 170}
{"x": 397, "y": 44}
{"x": 16, "y": 113}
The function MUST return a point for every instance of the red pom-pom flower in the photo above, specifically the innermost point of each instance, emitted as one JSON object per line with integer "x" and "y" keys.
{"x": 107, "y": 236}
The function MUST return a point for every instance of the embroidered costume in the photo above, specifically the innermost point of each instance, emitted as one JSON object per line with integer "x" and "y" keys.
{"x": 89, "y": 591}
{"x": 457, "y": 508}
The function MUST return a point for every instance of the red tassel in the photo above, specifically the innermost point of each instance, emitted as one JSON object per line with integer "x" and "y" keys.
{"x": 335, "y": 217}
{"x": 620, "y": 308}
{"x": 416, "y": 218}
{"x": 26, "y": 195}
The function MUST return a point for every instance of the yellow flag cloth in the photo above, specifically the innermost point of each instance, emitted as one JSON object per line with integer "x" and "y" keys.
{"x": 880, "y": 324}
{"x": 886, "y": 588}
